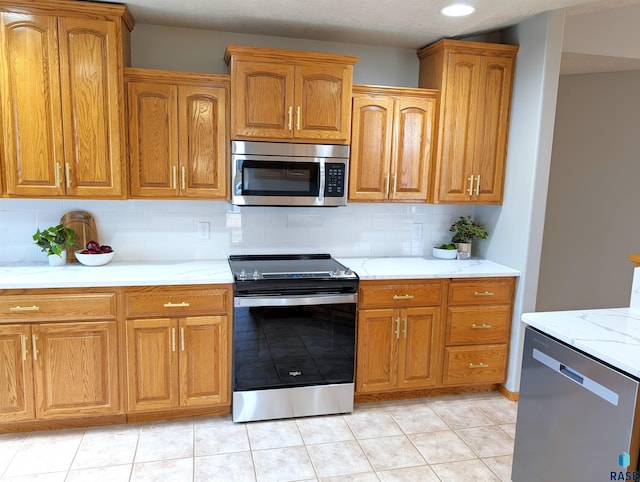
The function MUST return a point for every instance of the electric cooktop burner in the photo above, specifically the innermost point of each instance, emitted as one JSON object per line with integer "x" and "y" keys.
{"x": 257, "y": 274}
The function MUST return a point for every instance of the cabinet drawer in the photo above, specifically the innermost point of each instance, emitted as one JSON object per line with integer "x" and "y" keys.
{"x": 477, "y": 324}
{"x": 166, "y": 301}
{"x": 400, "y": 295}
{"x": 465, "y": 365}
{"x": 481, "y": 292}
{"x": 58, "y": 307}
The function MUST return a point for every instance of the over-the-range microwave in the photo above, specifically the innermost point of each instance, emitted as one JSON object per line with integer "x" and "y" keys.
{"x": 288, "y": 174}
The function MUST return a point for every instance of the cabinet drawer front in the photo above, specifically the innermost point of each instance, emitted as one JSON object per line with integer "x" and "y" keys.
{"x": 481, "y": 292}
{"x": 58, "y": 307}
{"x": 478, "y": 324}
{"x": 172, "y": 302}
{"x": 400, "y": 295}
{"x": 478, "y": 364}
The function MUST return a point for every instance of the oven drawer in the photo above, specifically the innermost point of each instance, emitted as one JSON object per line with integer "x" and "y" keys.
{"x": 481, "y": 292}
{"x": 151, "y": 301}
{"x": 465, "y": 365}
{"x": 404, "y": 294}
{"x": 477, "y": 324}
{"x": 58, "y": 306}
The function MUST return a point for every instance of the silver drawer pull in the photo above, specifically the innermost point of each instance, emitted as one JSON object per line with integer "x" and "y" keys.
{"x": 24, "y": 308}
{"x": 403, "y": 297}
{"x": 483, "y": 293}
{"x": 484, "y": 326}
{"x": 184, "y": 304}
{"x": 479, "y": 365}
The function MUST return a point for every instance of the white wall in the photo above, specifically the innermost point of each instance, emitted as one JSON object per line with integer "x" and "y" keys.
{"x": 591, "y": 225}
{"x": 517, "y": 225}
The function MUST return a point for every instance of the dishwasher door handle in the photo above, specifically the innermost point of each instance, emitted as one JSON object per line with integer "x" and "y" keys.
{"x": 576, "y": 377}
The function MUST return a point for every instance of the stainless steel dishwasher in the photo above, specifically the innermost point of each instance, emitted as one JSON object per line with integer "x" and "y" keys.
{"x": 576, "y": 416}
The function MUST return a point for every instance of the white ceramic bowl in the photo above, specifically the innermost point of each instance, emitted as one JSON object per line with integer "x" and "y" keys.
{"x": 445, "y": 253}
{"x": 94, "y": 259}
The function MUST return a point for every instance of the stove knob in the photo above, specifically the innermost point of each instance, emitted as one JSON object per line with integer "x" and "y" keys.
{"x": 242, "y": 275}
{"x": 336, "y": 272}
{"x": 256, "y": 275}
{"x": 348, "y": 272}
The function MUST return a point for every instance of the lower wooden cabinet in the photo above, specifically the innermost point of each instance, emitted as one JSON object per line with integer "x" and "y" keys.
{"x": 177, "y": 362}
{"x": 58, "y": 370}
{"x": 178, "y": 347}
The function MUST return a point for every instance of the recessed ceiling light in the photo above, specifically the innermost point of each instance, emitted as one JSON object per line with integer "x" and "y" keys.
{"x": 457, "y": 10}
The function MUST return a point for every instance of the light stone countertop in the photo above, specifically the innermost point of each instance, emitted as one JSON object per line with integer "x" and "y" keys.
{"x": 146, "y": 273}
{"x": 611, "y": 334}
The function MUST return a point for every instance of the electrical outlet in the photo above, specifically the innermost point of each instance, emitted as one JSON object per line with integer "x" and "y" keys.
{"x": 203, "y": 230}
{"x": 417, "y": 231}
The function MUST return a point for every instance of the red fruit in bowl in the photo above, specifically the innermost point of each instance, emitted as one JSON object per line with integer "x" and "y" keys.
{"x": 93, "y": 246}
{"x": 84, "y": 251}
{"x": 105, "y": 249}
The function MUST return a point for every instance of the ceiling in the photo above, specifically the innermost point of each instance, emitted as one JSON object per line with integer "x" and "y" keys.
{"x": 400, "y": 23}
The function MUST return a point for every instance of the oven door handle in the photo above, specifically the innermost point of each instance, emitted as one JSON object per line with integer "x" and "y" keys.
{"x": 294, "y": 300}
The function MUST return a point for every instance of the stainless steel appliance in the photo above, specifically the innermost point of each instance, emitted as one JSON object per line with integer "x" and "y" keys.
{"x": 288, "y": 174}
{"x": 576, "y": 416}
{"x": 294, "y": 332}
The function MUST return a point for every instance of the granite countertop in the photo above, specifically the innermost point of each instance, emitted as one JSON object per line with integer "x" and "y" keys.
{"x": 129, "y": 273}
{"x": 611, "y": 335}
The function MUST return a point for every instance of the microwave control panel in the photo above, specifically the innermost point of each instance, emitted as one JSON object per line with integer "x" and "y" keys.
{"x": 335, "y": 174}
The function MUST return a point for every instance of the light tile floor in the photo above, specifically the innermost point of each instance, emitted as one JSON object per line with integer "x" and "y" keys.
{"x": 454, "y": 438}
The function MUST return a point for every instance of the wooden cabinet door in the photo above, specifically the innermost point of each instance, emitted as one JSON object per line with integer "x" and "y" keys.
{"x": 323, "y": 102}
{"x": 418, "y": 360}
{"x": 16, "y": 374}
{"x": 92, "y": 107}
{"x": 153, "y": 140}
{"x": 30, "y": 105}
{"x": 369, "y": 167}
{"x": 458, "y": 128}
{"x": 492, "y": 128}
{"x": 76, "y": 369}
{"x": 202, "y": 140}
{"x": 263, "y": 100}
{"x": 204, "y": 353}
{"x": 414, "y": 118}
{"x": 152, "y": 362}
{"x": 377, "y": 350}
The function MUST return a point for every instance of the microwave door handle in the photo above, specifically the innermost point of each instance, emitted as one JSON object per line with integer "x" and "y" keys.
{"x": 322, "y": 174}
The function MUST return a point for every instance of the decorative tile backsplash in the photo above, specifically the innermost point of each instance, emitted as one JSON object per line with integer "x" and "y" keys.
{"x": 152, "y": 230}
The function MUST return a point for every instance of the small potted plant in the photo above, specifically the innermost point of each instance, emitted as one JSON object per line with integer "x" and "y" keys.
{"x": 54, "y": 241}
{"x": 465, "y": 230}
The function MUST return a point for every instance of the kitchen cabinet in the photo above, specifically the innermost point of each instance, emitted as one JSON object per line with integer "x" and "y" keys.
{"x": 61, "y": 98}
{"x": 475, "y": 82}
{"x": 282, "y": 95}
{"x": 478, "y": 326}
{"x": 59, "y": 353}
{"x": 391, "y": 145}
{"x": 177, "y": 134}
{"x": 178, "y": 347}
{"x": 399, "y": 335}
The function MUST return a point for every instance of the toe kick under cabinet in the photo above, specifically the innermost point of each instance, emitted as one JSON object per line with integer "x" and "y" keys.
{"x": 178, "y": 349}
{"x": 58, "y": 355}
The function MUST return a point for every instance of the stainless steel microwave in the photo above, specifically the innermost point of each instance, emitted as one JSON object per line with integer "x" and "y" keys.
{"x": 286, "y": 174}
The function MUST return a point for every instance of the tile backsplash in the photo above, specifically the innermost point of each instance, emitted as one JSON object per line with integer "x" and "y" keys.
{"x": 154, "y": 230}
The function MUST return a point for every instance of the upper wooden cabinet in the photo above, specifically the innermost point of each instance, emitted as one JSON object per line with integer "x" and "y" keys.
{"x": 475, "y": 81}
{"x": 61, "y": 97}
{"x": 391, "y": 144}
{"x": 177, "y": 134}
{"x": 282, "y": 95}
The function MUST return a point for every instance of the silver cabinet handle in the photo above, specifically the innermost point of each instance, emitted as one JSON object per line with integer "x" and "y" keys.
{"x": 393, "y": 183}
{"x": 67, "y": 173}
{"x": 483, "y": 293}
{"x": 403, "y": 297}
{"x": 183, "y": 181}
{"x": 182, "y": 304}
{"x": 24, "y": 347}
{"x": 404, "y": 330}
{"x": 479, "y": 365}
{"x": 182, "y": 338}
{"x": 57, "y": 174}
{"x": 397, "y": 332}
{"x": 175, "y": 177}
{"x": 19, "y": 308}
{"x": 289, "y": 124}
{"x": 173, "y": 339}
{"x": 470, "y": 179}
{"x": 478, "y": 185}
{"x": 298, "y": 118}
{"x": 484, "y": 326}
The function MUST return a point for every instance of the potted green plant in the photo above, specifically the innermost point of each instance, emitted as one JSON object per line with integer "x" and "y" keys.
{"x": 465, "y": 230}
{"x": 54, "y": 240}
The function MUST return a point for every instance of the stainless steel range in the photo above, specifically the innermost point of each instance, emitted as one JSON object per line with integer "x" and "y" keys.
{"x": 294, "y": 336}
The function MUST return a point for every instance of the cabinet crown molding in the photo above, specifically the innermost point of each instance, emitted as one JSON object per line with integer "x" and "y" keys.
{"x": 467, "y": 46}
{"x": 296, "y": 56}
